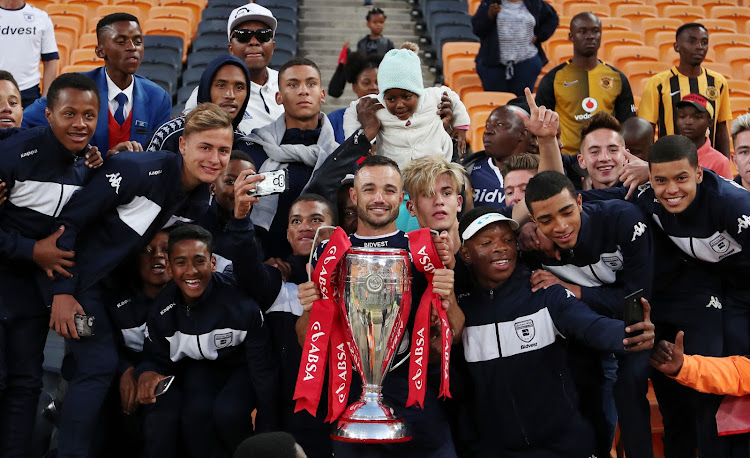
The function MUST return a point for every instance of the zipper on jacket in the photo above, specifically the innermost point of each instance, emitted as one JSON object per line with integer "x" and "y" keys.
{"x": 520, "y": 423}
{"x": 200, "y": 350}
{"x": 59, "y": 200}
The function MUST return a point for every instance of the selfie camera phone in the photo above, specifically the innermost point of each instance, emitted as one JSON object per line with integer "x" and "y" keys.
{"x": 84, "y": 325}
{"x": 633, "y": 312}
{"x": 163, "y": 385}
{"x": 275, "y": 182}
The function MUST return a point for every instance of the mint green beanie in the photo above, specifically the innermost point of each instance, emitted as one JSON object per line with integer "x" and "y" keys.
{"x": 401, "y": 69}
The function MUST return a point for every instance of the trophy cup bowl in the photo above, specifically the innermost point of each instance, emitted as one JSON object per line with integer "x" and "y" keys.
{"x": 374, "y": 284}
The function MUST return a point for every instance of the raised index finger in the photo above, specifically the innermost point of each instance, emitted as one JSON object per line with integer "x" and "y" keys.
{"x": 533, "y": 108}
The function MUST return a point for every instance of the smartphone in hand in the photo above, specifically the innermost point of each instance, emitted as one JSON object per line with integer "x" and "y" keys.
{"x": 163, "y": 385}
{"x": 633, "y": 311}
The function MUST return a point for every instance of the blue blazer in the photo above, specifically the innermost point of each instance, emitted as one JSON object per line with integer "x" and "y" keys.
{"x": 152, "y": 107}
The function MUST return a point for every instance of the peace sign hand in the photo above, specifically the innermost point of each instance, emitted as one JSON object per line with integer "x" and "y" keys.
{"x": 542, "y": 122}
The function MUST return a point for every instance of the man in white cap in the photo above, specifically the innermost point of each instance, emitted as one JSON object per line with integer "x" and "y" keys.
{"x": 250, "y": 30}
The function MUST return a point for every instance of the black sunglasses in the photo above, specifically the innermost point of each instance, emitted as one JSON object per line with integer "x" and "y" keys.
{"x": 244, "y": 36}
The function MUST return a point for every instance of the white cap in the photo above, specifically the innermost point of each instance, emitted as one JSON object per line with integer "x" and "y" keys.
{"x": 485, "y": 220}
{"x": 250, "y": 12}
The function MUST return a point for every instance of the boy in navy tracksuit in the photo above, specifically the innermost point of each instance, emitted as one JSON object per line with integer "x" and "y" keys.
{"x": 703, "y": 220}
{"x": 210, "y": 334}
{"x": 276, "y": 294}
{"x": 41, "y": 169}
{"x": 603, "y": 254}
{"x": 127, "y": 203}
{"x": 524, "y": 399}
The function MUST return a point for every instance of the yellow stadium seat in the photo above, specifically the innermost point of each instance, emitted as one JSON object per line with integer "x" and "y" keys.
{"x": 624, "y": 54}
{"x": 79, "y": 68}
{"x": 616, "y": 38}
{"x": 458, "y": 66}
{"x": 709, "y": 5}
{"x": 737, "y": 58}
{"x": 561, "y": 53}
{"x": 180, "y": 13}
{"x": 84, "y": 57}
{"x": 661, "y": 4}
{"x": 719, "y": 42}
{"x": 77, "y": 12}
{"x": 739, "y": 88}
{"x": 87, "y": 41}
{"x": 465, "y": 83}
{"x": 719, "y": 25}
{"x": 740, "y": 105}
{"x": 684, "y": 13}
{"x": 652, "y": 26}
{"x": 172, "y": 27}
{"x": 615, "y": 23}
{"x": 599, "y": 9}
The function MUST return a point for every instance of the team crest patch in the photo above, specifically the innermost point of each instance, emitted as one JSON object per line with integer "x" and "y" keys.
{"x": 712, "y": 93}
{"x": 29, "y": 17}
{"x": 525, "y": 330}
{"x": 613, "y": 262}
{"x": 223, "y": 340}
{"x": 719, "y": 244}
{"x": 606, "y": 82}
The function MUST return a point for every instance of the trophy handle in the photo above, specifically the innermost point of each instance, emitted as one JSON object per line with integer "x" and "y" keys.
{"x": 314, "y": 246}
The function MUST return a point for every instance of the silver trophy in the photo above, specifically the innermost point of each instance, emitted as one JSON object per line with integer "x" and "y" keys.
{"x": 374, "y": 284}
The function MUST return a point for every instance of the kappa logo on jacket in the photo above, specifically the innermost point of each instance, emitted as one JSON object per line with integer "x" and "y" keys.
{"x": 114, "y": 180}
{"x": 638, "y": 230}
{"x": 743, "y": 223}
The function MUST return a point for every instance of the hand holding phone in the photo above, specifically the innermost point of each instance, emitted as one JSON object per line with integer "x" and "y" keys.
{"x": 163, "y": 385}
{"x": 633, "y": 311}
{"x": 84, "y": 325}
{"x": 275, "y": 182}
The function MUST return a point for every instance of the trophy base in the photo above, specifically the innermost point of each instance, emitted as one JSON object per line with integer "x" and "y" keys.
{"x": 370, "y": 422}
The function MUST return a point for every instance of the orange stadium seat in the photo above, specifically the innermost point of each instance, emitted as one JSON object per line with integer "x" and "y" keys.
{"x": 746, "y": 69}
{"x": 122, "y": 8}
{"x": 615, "y": 3}
{"x": 719, "y": 25}
{"x": 738, "y": 14}
{"x": 456, "y": 67}
{"x": 652, "y": 26}
{"x": 466, "y": 83}
{"x": 458, "y": 50}
{"x": 84, "y": 57}
{"x": 180, "y": 13}
{"x": 600, "y": 10}
{"x": 615, "y": 23}
{"x": 41, "y": 4}
{"x": 684, "y": 13}
{"x": 67, "y": 26}
{"x": 196, "y": 6}
{"x": 87, "y": 41}
{"x": 636, "y": 14}
{"x": 79, "y": 68}
{"x": 561, "y": 53}
{"x": 624, "y": 54}
{"x": 721, "y": 67}
{"x": 77, "y": 12}
{"x": 91, "y": 6}
{"x": 614, "y": 39}
{"x": 564, "y": 23}
{"x": 172, "y": 27}
{"x": 739, "y": 88}
{"x": 565, "y": 4}
{"x": 740, "y": 105}
{"x": 637, "y": 72}
{"x": 558, "y": 37}
{"x": 143, "y": 7}
{"x": 474, "y": 6}
{"x": 478, "y": 123}
{"x": 719, "y": 42}
{"x": 737, "y": 58}
{"x": 476, "y": 101}
{"x": 661, "y": 4}
{"x": 709, "y": 5}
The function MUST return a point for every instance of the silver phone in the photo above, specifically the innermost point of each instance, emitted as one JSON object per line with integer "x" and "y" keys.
{"x": 275, "y": 182}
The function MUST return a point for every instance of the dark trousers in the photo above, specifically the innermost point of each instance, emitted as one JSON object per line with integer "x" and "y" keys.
{"x": 633, "y": 410}
{"x": 524, "y": 75}
{"x": 208, "y": 409}
{"x": 21, "y": 356}
{"x": 28, "y": 96}
{"x": 89, "y": 366}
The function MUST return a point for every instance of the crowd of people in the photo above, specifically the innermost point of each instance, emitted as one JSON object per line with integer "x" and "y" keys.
{"x": 579, "y": 257}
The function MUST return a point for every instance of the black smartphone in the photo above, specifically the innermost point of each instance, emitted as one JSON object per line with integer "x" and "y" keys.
{"x": 163, "y": 385}
{"x": 633, "y": 312}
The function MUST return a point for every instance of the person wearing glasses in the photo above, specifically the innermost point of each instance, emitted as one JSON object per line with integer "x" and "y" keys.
{"x": 250, "y": 30}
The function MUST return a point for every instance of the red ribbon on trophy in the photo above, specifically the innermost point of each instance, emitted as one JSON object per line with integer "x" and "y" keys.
{"x": 325, "y": 333}
{"x": 426, "y": 260}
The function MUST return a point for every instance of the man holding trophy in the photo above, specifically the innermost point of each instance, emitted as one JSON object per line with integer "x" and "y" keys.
{"x": 374, "y": 278}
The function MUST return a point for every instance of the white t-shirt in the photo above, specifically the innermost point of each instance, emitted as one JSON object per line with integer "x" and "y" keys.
{"x": 262, "y": 108}
{"x": 26, "y": 34}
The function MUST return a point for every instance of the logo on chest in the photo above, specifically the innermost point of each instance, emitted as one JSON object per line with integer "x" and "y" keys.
{"x": 223, "y": 340}
{"x": 525, "y": 330}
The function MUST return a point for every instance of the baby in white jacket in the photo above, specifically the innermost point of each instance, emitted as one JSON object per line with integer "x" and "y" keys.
{"x": 410, "y": 126}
